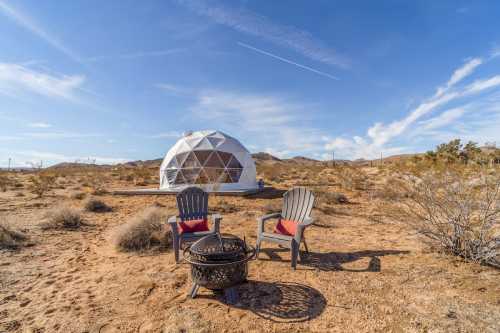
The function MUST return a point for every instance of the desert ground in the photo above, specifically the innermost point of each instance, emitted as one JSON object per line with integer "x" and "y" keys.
{"x": 367, "y": 271}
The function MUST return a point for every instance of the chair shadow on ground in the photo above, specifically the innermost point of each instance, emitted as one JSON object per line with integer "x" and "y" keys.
{"x": 279, "y": 302}
{"x": 332, "y": 261}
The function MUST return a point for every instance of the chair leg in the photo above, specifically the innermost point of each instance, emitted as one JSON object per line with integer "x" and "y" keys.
{"x": 194, "y": 290}
{"x": 305, "y": 244}
{"x": 295, "y": 253}
{"x": 176, "y": 244}
{"x": 257, "y": 248}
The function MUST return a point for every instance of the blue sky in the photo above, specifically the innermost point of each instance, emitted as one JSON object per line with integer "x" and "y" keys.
{"x": 121, "y": 80}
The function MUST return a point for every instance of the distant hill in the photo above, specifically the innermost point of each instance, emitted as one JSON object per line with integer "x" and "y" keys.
{"x": 65, "y": 165}
{"x": 302, "y": 160}
{"x": 147, "y": 163}
{"x": 265, "y": 157}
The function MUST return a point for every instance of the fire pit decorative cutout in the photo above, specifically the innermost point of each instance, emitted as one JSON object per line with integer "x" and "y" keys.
{"x": 219, "y": 262}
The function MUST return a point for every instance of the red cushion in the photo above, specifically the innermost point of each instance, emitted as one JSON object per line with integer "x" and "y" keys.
{"x": 286, "y": 227}
{"x": 193, "y": 226}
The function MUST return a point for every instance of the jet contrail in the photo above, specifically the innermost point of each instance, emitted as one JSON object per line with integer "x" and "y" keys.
{"x": 287, "y": 61}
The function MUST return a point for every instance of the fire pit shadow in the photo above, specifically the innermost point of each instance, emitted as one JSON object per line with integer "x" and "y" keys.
{"x": 280, "y": 301}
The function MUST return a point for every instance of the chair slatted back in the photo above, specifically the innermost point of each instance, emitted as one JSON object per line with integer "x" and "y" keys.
{"x": 192, "y": 204}
{"x": 297, "y": 204}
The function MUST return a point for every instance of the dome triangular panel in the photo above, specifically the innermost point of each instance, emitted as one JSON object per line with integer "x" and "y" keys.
{"x": 191, "y": 161}
{"x": 214, "y": 161}
{"x": 193, "y": 141}
{"x": 204, "y": 144}
{"x": 234, "y": 163}
{"x": 215, "y": 141}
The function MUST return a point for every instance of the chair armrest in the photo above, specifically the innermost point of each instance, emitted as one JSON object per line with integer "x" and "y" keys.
{"x": 270, "y": 216}
{"x": 216, "y": 218}
{"x": 261, "y": 220}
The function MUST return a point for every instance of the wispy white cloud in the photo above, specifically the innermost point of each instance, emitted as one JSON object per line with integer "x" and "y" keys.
{"x": 495, "y": 52}
{"x": 381, "y": 137}
{"x": 166, "y": 135}
{"x": 15, "y": 78}
{"x": 246, "y": 21}
{"x": 270, "y": 123}
{"x": 24, "y": 157}
{"x": 460, "y": 74}
{"x": 480, "y": 85}
{"x": 10, "y": 138}
{"x": 173, "y": 89}
{"x": 134, "y": 55}
{"x": 39, "y": 125}
{"x": 444, "y": 119}
{"x": 29, "y": 23}
{"x": 287, "y": 61}
{"x": 59, "y": 135}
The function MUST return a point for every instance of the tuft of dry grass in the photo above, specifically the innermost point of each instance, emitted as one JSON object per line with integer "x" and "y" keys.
{"x": 144, "y": 231}
{"x": 222, "y": 206}
{"x": 325, "y": 197}
{"x": 78, "y": 195}
{"x": 40, "y": 183}
{"x": 96, "y": 206}
{"x": 63, "y": 217}
{"x": 272, "y": 207}
{"x": 5, "y": 181}
{"x": 10, "y": 238}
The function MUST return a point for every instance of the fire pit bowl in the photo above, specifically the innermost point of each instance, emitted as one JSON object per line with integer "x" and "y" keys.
{"x": 219, "y": 262}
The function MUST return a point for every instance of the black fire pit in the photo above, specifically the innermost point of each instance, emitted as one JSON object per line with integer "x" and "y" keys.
{"x": 219, "y": 263}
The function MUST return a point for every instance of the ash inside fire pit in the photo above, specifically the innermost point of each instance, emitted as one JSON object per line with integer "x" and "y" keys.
{"x": 219, "y": 262}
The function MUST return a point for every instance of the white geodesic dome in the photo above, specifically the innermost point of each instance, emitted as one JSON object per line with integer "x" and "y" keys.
{"x": 210, "y": 159}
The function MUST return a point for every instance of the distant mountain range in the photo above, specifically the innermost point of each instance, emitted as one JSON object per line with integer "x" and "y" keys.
{"x": 260, "y": 157}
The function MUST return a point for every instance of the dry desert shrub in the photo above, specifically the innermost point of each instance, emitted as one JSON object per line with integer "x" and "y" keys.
{"x": 78, "y": 195}
{"x": 352, "y": 178}
{"x": 96, "y": 181}
{"x": 219, "y": 204}
{"x": 40, "y": 183}
{"x": 141, "y": 175}
{"x": 63, "y": 217}
{"x": 18, "y": 184}
{"x": 10, "y": 238}
{"x": 324, "y": 200}
{"x": 327, "y": 197}
{"x": 459, "y": 213}
{"x": 272, "y": 172}
{"x": 272, "y": 207}
{"x": 5, "y": 181}
{"x": 96, "y": 206}
{"x": 392, "y": 189}
{"x": 144, "y": 231}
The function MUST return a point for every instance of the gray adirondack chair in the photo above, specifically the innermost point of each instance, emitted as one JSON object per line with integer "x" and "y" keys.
{"x": 192, "y": 204}
{"x": 297, "y": 205}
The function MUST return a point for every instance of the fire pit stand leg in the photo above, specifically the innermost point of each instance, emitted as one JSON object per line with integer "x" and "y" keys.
{"x": 231, "y": 295}
{"x": 194, "y": 290}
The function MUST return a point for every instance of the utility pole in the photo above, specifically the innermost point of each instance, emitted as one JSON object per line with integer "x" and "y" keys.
{"x": 333, "y": 158}
{"x": 8, "y": 168}
{"x": 380, "y": 158}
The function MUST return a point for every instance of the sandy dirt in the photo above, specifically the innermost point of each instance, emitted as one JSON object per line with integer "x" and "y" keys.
{"x": 361, "y": 275}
